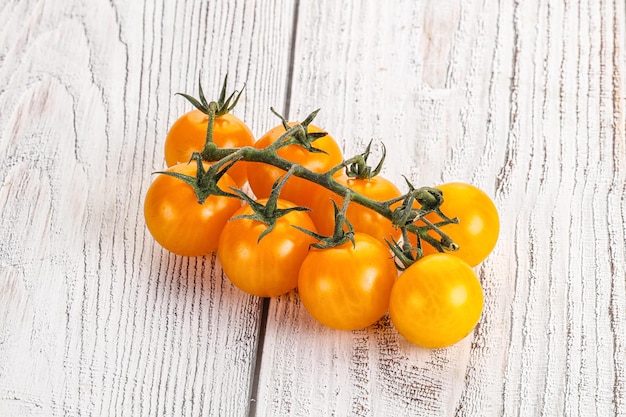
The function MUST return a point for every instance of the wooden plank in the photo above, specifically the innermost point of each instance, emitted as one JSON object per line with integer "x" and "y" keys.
{"x": 95, "y": 318}
{"x": 525, "y": 100}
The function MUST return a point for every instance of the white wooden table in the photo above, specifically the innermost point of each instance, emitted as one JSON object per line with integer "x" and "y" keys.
{"x": 525, "y": 99}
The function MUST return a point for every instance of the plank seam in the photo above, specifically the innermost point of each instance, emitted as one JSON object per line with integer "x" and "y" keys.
{"x": 254, "y": 385}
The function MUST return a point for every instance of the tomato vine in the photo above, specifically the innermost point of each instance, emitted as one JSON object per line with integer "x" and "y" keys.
{"x": 403, "y": 217}
{"x": 321, "y": 224}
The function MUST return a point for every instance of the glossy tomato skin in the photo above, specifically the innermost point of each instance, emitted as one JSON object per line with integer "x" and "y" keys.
{"x": 266, "y": 268}
{"x": 188, "y": 135}
{"x": 362, "y": 218}
{"x": 176, "y": 220}
{"x": 437, "y": 301}
{"x": 261, "y": 177}
{"x": 347, "y": 287}
{"x": 479, "y": 224}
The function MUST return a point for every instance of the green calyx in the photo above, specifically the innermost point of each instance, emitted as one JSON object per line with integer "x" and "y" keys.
{"x": 429, "y": 199}
{"x": 339, "y": 236}
{"x": 213, "y": 109}
{"x": 299, "y": 133}
{"x": 404, "y": 254}
{"x": 359, "y": 167}
{"x": 204, "y": 184}
{"x": 268, "y": 213}
{"x": 224, "y": 104}
{"x": 412, "y": 220}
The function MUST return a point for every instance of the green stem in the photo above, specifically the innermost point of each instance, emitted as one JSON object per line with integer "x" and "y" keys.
{"x": 212, "y": 111}
{"x": 405, "y": 217}
{"x": 326, "y": 180}
{"x": 344, "y": 164}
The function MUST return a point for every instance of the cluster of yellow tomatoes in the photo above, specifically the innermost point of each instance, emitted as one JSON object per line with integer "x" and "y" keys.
{"x": 435, "y": 302}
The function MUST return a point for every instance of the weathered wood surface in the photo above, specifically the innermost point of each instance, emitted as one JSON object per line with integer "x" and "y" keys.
{"x": 523, "y": 99}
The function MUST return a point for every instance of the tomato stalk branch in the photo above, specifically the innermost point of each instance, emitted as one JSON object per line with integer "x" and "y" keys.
{"x": 212, "y": 107}
{"x": 422, "y": 195}
{"x": 406, "y": 216}
{"x": 269, "y": 212}
{"x": 340, "y": 235}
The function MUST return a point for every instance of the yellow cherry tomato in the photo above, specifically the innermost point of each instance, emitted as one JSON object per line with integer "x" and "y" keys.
{"x": 437, "y": 301}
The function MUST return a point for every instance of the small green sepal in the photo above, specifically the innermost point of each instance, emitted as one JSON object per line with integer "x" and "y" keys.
{"x": 224, "y": 104}
{"x": 204, "y": 184}
{"x": 299, "y": 133}
{"x": 339, "y": 236}
{"x": 360, "y": 169}
{"x": 269, "y": 212}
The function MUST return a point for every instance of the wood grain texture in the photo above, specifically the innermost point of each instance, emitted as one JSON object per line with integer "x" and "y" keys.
{"x": 525, "y": 99}
{"x": 95, "y": 318}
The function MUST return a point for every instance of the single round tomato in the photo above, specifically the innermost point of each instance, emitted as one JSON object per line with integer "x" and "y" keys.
{"x": 347, "y": 287}
{"x": 178, "y": 222}
{"x": 261, "y": 176}
{"x": 437, "y": 301}
{"x": 188, "y": 135}
{"x": 363, "y": 219}
{"x": 269, "y": 267}
{"x": 479, "y": 225}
